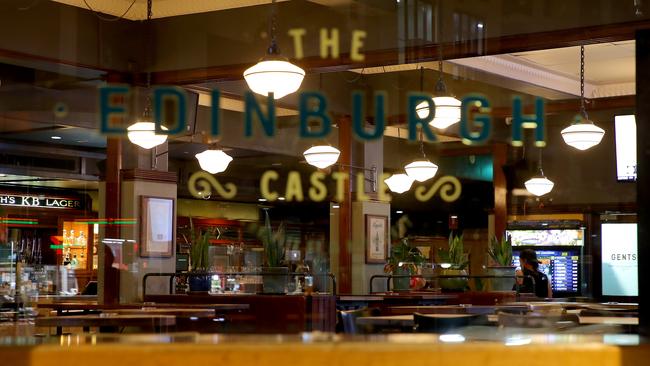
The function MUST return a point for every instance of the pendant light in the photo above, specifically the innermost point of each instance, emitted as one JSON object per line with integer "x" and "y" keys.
{"x": 143, "y": 131}
{"x": 321, "y": 156}
{"x": 447, "y": 110}
{"x": 421, "y": 169}
{"x": 539, "y": 185}
{"x": 400, "y": 182}
{"x": 213, "y": 161}
{"x": 582, "y": 134}
{"x": 274, "y": 73}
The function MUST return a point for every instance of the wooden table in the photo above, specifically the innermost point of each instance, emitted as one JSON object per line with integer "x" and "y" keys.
{"x": 406, "y": 321}
{"x": 105, "y": 322}
{"x": 613, "y": 320}
{"x": 401, "y": 321}
{"x": 87, "y": 307}
{"x": 187, "y": 313}
{"x": 455, "y": 309}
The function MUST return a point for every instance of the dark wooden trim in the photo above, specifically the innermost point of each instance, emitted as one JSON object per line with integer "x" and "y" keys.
{"x": 149, "y": 175}
{"x": 16, "y": 55}
{"x": 345, "y": 208}
{"x": 499, "y": 159}
{"x": 572, "y": 105}
{"x": 643, "y": 174}
{"x": 623, "y": 207}
{"x": 498, "y": 45}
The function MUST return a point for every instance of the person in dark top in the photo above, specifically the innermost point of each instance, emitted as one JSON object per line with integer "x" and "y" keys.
{"x": 533, "y": 280}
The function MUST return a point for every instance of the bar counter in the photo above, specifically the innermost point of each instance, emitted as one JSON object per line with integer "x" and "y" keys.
{"x": 316, "y": 349}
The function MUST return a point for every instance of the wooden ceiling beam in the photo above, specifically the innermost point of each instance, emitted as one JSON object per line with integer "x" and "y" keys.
{"x": 493, "y": 46}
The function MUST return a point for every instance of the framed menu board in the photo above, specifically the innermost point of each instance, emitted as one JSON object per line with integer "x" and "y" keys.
{"x": 156, "y": 226}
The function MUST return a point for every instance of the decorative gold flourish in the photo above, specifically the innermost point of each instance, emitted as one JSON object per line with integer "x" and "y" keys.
{"x": 205, "y": 182}
{"x": 450, "y": 189}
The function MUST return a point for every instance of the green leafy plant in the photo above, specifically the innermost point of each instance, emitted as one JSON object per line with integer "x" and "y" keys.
{"x": 501, "y": 251}
{"x": 406, "y": 255}
{"x": 455, "y": 255}
{"x": 274, "y": 242}
{"x": 199, "y": 249}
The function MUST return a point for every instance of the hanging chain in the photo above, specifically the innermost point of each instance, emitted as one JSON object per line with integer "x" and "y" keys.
{"x": 541, "y": 171}
{"x": 583, "y": 110}
{"x": 440, "y": 88}
{"x": 147, "y": 106}
{"x": 273, "y": 48}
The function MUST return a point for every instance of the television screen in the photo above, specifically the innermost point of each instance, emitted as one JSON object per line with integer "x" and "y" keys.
{"x": 619, "y": 259}
{"x": 550, "y": 237}
{"x": 561, "y": 266}
{"x": 625, "y": 130}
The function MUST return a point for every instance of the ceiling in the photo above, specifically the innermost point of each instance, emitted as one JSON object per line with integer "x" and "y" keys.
{"x": 609, "y": 69}
{"x": 160, "y": 8}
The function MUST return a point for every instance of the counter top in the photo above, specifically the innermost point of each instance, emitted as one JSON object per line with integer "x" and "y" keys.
{"x": 317, "y": 349}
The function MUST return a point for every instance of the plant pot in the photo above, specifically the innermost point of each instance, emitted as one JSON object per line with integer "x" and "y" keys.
{"x": 401, "y": 283}
{"x": 502, "y": 284}
{"x": 199, "y": 283}
{"x": 456, "y": 284}
{"x": 276, "y": 281}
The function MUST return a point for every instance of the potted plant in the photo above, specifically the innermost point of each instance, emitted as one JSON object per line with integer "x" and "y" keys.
{"x": 453, "y": 262}
{"x": 277, "y": 280}
{"x": 199, "y": 279}
{"x": 403, "y": 260}
{"x": 500, "y": 251}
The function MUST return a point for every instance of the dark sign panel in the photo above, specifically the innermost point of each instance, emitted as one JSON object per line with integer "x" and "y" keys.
{"x": 41, "y": 201}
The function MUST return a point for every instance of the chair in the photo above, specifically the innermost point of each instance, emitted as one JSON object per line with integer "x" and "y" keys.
{"x": 442, "y": 323}
{"x": 349, "y": 320}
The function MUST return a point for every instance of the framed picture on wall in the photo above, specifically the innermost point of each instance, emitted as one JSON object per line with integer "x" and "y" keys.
{"x": 376, "y": 239}
{"x": 156, "y": 226}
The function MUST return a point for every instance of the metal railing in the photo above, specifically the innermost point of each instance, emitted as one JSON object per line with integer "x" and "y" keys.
{"x": 433, "y": 276}
{"x": 172, "y": 276}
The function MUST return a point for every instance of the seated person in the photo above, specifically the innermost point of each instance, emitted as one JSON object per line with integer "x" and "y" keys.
{"x": 533, "y": 280}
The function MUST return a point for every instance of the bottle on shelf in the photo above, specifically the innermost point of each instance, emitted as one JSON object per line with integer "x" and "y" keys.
{"x": 81, "y": 240}
{"x": 65, "y": 237}
{"x": 71, "y": 237}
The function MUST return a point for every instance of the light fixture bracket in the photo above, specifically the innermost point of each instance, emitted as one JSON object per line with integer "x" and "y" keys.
{"x": 372, "y": 170}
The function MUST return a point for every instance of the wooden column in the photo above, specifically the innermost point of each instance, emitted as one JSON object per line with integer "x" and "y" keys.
{"x": 345, "y": 208}
{"x": 112, "y": 210}
{"x": 643, "y": 174}
{"x": 499, "y": 158}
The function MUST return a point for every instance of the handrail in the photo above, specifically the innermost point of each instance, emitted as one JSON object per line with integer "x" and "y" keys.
{"x": 201, "y": 274}
{"x": 391, "y": 276}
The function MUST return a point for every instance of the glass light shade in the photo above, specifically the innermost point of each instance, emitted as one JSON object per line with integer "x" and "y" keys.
{"x": 421, "y": 170}
{"x": 213, "y": 161}
{"x": 399, "y": 183}
{"x": 447, "y": 111}
{"x": 321, "y": 156}
{"x": 583, "y": 135}
{"x": 144, "y": 135}
{"x": 539, "y": 185}
{"x": 279, "y": 77}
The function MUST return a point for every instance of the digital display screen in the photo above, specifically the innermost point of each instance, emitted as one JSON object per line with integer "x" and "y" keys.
{"x": 547, "y": 238}
{"x": 625, "y": 129}
{"x": 562, "y": 268}
{"x": 619, "y": 260}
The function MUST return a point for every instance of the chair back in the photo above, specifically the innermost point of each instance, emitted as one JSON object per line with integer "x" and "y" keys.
{"x": 442, "y": 323}
{"x": 349, "y": 320}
